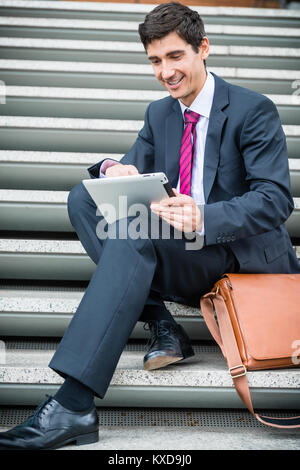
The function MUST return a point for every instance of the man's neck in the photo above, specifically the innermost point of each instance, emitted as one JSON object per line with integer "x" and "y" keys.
{"x": 191, "y": 99}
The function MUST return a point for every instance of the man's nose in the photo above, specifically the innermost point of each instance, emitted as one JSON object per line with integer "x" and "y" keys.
{"x": 167, "y": 72}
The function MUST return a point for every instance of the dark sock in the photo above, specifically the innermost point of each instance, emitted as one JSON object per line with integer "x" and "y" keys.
{"x": 152, "y": 313}
{"x": 74, "y": 396}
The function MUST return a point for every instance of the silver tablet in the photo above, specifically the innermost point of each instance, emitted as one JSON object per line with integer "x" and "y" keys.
{"x": 124, "y": 196}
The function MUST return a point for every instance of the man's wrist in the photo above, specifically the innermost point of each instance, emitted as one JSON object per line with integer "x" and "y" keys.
{"x": 200, "y": 227}
{"x": 105, "y": 165}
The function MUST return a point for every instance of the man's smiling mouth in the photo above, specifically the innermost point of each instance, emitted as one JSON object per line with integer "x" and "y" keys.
{"x": 174, "y": 83}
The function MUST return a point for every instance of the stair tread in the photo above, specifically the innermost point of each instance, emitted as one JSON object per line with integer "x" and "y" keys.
{"x": 115, "y": 95}
{"x": 35, "y": 156}
{"x": 143, "y": 69}
{"x": 133, "y": 26}
{"x": 64, "y": 302}
{"x": 144, "y": 8}
{"x": 95, "y": 93}
{"x": 16, "y": 245}
{"x": 73, "y": 123}
{"x": 126, "y": 46}
{"x": 205, "y": 369}
{"x": 55, "y": 157}
{"x": 133, "y": 125}
{"x": 10, "y": 245}
{"x": 50, "y": 197}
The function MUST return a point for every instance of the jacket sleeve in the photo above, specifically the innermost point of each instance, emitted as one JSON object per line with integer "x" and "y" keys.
{"x": 141, "y": 153}
{"x": 268, "y": 203}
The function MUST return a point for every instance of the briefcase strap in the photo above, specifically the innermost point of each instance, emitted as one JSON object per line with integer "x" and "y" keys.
{"x": 223, "y": 334}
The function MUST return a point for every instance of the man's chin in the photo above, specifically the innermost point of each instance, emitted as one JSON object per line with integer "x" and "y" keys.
{"x": 176, "y": 94}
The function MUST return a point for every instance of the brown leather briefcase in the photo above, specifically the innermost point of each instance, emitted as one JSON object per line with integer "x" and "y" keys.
{"x": 257, "y": 327}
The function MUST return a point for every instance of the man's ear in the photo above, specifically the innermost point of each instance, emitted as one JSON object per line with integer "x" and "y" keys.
{"x": 204, "y": 48}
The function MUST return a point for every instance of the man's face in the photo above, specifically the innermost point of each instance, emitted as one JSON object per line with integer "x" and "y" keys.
{"x": 178, "y": 67}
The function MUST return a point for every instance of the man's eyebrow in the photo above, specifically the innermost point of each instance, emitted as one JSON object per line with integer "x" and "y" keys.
{"x": 179, "y": 51}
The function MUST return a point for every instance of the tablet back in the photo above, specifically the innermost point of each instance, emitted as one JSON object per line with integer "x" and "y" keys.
{"x": 124, "y": 196}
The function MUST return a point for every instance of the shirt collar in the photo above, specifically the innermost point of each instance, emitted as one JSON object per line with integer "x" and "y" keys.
{"x": 203, "y": 102}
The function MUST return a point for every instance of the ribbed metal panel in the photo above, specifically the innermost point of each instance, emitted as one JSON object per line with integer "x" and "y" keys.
{"x": 30, "y": 344}
{"x": 125, "y": 417}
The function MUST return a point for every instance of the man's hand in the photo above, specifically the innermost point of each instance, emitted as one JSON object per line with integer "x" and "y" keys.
{"x": 180, "y": 211}
{"x": 121, "y": 170}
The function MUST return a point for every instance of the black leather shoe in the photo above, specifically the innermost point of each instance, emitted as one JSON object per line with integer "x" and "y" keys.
{"x": 169, "y": 344}
{"x": 52, "y": 426}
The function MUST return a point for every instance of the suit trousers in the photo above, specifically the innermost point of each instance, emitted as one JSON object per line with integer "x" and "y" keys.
{"x": 132, "y": 274}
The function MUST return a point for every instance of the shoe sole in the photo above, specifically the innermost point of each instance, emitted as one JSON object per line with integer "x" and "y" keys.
{"x": 83, "y": 439}
{"x": 163, "y": 361}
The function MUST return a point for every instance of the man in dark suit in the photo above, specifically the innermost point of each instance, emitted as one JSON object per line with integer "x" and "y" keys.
{"x": 223, "y": 150}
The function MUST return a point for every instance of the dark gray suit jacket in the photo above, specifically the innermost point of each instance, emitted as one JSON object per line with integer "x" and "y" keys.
{"x": 246, "y": 174}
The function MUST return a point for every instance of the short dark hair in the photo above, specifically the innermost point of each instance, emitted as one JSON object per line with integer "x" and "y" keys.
{"x": 169, "y": 17}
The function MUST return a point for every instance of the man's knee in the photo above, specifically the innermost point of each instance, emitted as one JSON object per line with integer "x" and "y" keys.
{"x": 78, "y": 200}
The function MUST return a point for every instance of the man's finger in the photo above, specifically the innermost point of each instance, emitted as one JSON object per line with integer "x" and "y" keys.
{"x": 159, "y": 208}
{"x": 172, "y": 216}
{"x": 172, "y": 201}
{"x": 175, "y": 223}
{"x": 186, "y": 210}
{"x": 181, "y": 225}
{"x": 132, "y": 172}
{"x": 185, "y": 225}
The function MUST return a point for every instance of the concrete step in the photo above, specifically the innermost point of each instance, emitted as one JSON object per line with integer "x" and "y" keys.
{"x": 132, "y": 76}
{"x": 18, "y": 206}
{"x": 104, "y": 103}
{"x": 86, "y": 103}
{"x": 174, "y": 429}
{"x": 47, "y": 170}
{"x": 34, "y": 170}
{"x": 44, "y": 259}
{"x": 39, "y": 311}
{"x": 131, "y": 52}
{"x": 137, "y": 12}
{"x": 77, "y": 24}
{"x": 201, "y": 381}
{"x": 48, "y": 259}
{"x": 294, "y": 166}
{"x": 68, "y": 134}
{"x": 61, "y": 28}
{"x": 88, "y": 135}
{"x": 47, "y": 211}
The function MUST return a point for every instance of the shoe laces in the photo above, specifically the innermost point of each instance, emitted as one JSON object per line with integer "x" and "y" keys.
{"x": 39, "y": 408}
{"x": 157, "y": 330}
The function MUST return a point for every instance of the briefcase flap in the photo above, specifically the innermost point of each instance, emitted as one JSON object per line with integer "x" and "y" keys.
{"x": 268, "y": 312}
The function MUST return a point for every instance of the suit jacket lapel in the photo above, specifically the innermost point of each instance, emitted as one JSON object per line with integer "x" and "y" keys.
{"x": 174, "y": 130}
{"x": 213, "y": 138}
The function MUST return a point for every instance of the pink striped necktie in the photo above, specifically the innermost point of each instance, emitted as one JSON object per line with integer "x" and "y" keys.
{"x": 188, "y": 145}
